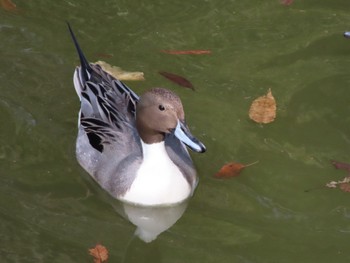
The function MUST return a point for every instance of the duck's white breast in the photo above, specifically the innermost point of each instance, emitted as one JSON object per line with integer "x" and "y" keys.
{"x": 158, "y": 180}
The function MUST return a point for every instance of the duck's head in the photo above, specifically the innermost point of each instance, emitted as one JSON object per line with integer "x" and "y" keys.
{"x": 160, "y": 112}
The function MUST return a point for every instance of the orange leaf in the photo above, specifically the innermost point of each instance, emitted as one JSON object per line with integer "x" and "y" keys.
{"x": 186, "y": 52}
{"x": 231, "y": 170}
{"x": 100, "y": 253}
{"x": 8, "y": 5}
{"x": 263, "y": 109}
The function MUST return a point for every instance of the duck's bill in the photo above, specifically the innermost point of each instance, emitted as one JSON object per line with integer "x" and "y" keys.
{"x": 183, "y": 134}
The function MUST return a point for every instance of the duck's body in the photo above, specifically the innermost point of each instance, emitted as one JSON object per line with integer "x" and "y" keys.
{"x": 131, "y": 146}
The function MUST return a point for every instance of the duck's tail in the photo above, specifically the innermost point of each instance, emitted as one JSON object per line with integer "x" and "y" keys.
{"x": 85, "y": 65}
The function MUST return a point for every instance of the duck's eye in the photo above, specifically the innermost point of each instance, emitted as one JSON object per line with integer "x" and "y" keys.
{"x": 161, "y": 107}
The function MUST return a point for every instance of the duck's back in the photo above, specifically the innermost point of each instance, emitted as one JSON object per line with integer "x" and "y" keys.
{"x": 107, "y": 143}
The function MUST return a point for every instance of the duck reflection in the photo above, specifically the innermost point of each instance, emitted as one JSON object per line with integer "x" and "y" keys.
{"x": 150, "y": 222}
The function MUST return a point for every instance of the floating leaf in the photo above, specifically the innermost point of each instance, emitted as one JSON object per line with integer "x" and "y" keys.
{"x": 339, "y": 165}
{"x": 263, "y": 109}
{"x": 177, "y": 79}
{"x": 100, "y": 253}
{"x": 119, "y": 73}
{"x": 231, "y": 170}
{"x": 186, "y": 52}
{"x": 8, "y": 5}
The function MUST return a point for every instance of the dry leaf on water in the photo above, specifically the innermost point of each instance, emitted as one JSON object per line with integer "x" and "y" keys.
{"x": 119, "y": 73}
{"x": 100, "y": 253}
{"x": 263, "y": 109}
{"x": 177, "y": 79}
{"x": 231, "y": 170}
{"x": 8, "y": 5}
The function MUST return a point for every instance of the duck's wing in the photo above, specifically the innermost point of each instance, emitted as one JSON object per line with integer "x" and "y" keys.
{"x": 108, "y": 106}
{"x": 108, "y": 110}
{"x": 108, "y": 144}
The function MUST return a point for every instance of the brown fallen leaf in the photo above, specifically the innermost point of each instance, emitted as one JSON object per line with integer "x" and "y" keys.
{"x": 177, "y": 79}
{"x": 231, "y": 170}
{"x": 119, "y": 73}
{"x": 263, "y": 109}
{"x": 100, "y": 253}
{"x": 8, "y": 5}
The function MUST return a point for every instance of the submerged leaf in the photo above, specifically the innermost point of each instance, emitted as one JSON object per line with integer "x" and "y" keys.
{"x": 263, "y": 109}
{"x": 104, "y": 55}
{"x": 100, "y": 253}
{"x": 177, "y": 79}
{"x": 186, "y": 52}
{"x": 231, "y": 170}
{"x": 119, "y": 73}
{"x": 339, "y": 165}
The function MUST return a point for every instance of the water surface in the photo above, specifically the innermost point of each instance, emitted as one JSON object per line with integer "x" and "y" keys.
{"x": 50, "y": 211}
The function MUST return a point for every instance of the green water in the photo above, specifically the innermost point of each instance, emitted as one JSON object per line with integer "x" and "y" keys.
{"x": 50, "y": 211}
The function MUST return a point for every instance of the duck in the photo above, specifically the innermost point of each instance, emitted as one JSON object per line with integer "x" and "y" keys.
{"x": 134, "y": 147}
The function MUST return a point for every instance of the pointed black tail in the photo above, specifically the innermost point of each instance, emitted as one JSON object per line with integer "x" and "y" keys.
{"x": 85, "y": 66}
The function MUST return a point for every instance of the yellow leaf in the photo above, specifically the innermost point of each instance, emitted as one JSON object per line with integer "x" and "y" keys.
{"x": 119, "y": 73}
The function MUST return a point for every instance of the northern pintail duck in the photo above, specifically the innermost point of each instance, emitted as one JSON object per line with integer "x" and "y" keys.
{"x": 134, "y": 147}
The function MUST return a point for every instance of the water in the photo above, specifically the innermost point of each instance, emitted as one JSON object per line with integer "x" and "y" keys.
{"x": 50, "y": 211}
